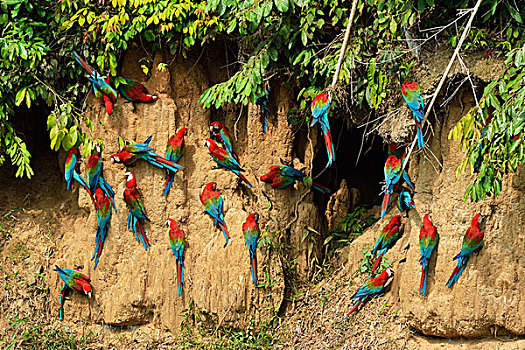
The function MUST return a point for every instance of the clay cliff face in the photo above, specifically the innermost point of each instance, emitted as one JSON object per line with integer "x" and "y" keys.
{"x": 489, "y": 297}
{"x": 135, "y": 287}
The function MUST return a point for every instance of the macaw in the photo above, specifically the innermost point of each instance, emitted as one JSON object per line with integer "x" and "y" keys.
{"x": 428, "y": 240}
{"x": 472, "y": 243}
{"x": 404, "y": 201}
{"x": 73, "y": 279}
{"x": 103, "y": 213}
{"x": 412, "y": 94}
{"x": 220, "y": 133}
{"x": 262, "y": 101}
{"x": 177, "y": 247}
{"x": 386, "y": 240}
{"x": 72, "y": 171}
{"x": 371, "y": 287}
{"x": 134, "y": 91}
{"x": 282, "y": 176}
{"x": 251, "y": 232}
{"x": 94, "y": 175}
{"x": 173, "y": 154}
{"x": 137, "y": 213}
{"x": 212, "y": 201}
{"x": 320, "y": 107}
{"x": 101, "y": 86}
{"x": 225, "y": 160}
{"x": 393, "y": 177}
{"x": 132, "y": 152}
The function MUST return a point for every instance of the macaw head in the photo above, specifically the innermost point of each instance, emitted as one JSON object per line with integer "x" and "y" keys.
{"x": 478, "y": 219}
{"x": 254, "y": 216}
{"x": 182, "y": 132}
{"x": 216, "y": 127}
{"x": 172, "y": 224}
{"x": 87, "y": 289}
{"x": 389, "y": 272}
{"x": 130, "y": 179}
{"x": 396, "y": 220}
{"x": 210, "y": 144}
{"x": 427, "y": 219}
{"x": 99, "y": 195}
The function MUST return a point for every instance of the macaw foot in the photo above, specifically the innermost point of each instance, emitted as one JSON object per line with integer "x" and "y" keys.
{"x": 215, "y": 167}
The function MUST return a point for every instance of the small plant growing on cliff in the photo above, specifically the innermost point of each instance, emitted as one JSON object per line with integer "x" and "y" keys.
{"x": 367, "y": 261}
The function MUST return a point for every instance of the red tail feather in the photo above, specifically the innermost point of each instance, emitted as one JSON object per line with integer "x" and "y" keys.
{"x": 422, "y": 279}
{"x": 384, "y": 206}
{"x": 168, "y": 179}
{"x": 355, "y": 307}
{"x": 329, "y": 144}
{"x": 254, "y": 266}
{"x": 376, "y": 264}
{"x": 142, "y": 233}
{"x": 243, "y": 178}
{"x": 223, "y": 227}
{"x": 179, "y": 273}
{"x": 456, "y": 270}
{"x": 84, "y": 64}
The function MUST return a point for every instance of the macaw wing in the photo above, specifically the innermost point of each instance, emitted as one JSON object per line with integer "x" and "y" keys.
{"x": 134, "y": 203}
{"x": 471, "y": 242}
{"x": 291, "y": 172}
{"x": 426, "y": 246}
{"x": 320, "y": 105}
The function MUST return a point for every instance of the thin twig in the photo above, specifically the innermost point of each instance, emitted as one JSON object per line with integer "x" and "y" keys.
{"x": 444, "y": 76}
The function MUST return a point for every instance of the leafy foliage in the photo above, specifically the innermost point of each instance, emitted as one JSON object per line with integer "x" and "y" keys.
{"x": 368, "y": 260}
{"x": 493, "y": 134}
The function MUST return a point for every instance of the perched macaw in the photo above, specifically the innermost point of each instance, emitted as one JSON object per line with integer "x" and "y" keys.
{"x": 212, "y": 201}
{"x": 134, "y": 91}
{"x": 177, "y": 247}
{"x": 404, "y": 201}
{"x": 220, "y": 133}
{"x": 428, "y": 240}
{"x": 251, "y": 232}
{"x": 320, "y": 107}
{"x": 73, "y": 279}
{"x": 262, "y": 101}
{"x": 94, "y": 175}
{"x": 387, "y": 239}
{"x": 101, "y": 86}
{"x": 103, "y": 213}
{"x": 72, "y": 171}
{"x": 393, "y": 176}
{"x": 412, "y": 95}
{"x": 282, "y": 176}
{"x": 132, "y": 152}
{"x": 173, "y": 153}
{"x": 137, "y": 213}
{"x": 472, "y": 243}
{"x": 225, "y": 160}
{"x": 371, "y": 287}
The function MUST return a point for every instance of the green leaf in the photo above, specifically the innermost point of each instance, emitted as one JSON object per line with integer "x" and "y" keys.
{"x": 282, "y": 5}
{"x": 21, "y": 94}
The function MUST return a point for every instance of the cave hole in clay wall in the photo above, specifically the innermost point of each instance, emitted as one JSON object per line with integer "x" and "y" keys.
{"x": 365, "y": 176}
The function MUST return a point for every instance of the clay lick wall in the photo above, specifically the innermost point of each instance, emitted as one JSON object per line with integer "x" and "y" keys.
{"x": 489, "y": 298}
{"x": 135, "y": 287}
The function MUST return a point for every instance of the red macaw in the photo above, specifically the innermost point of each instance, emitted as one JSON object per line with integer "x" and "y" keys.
{"x": 386, "y": 240}
{"x": 132, "y": 152}
{"x": 101, "y": 86}
{"x": 173, "y": 154}
{"x": 73, "y": 279}
{"x": 220, "y": 133}
{"x": 103, "y": 213}
{"x": 212, "y": 201}
{"x": 282, "y": 176}
{"x": 412, "y": 94}
{"x": 251, "y": 232}
{"x": 472, "y": 243}
{"x": 225, "y": 160}
{"x": 137, "y": 213}
{"x": 371, "y": 287}
{"x": 177, "y": 247}
{"x": 72, "y": 171}
{"x": 95, "y": 178}
{"x": 393, "y": 176}
{"x": 428, "y": 240}
{"x": 320, "y": 107}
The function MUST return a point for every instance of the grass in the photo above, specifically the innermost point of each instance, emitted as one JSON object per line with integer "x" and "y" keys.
{"x": 24, "y": 334}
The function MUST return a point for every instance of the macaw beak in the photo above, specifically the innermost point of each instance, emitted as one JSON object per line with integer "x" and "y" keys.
{"x": 89, "y": 294}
